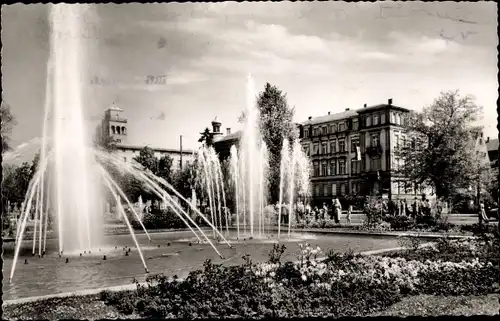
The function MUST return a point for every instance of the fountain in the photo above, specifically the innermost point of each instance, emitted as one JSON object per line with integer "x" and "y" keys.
{"x": 248, "y": 176}
{"x": 70, "y": 175}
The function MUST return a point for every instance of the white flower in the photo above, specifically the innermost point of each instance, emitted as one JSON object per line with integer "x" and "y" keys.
{"x": 304, "y": 278}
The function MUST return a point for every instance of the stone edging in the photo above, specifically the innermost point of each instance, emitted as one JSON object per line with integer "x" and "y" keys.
{"x": 129, "y": 287}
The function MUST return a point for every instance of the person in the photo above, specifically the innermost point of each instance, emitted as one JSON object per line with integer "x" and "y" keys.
{"x": 404, "y": 207}
{"x": 325, "y": 211}
{"x": 482, "y": 214}
{"x": 316, "y": 213}
{"x": 349, "y": 211}
{"x": 338, "y": 209}
{"x": 398, "y": 202}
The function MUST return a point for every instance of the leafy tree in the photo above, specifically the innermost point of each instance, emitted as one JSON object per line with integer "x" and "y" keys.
{"x": 440, "y": 152}
{"x": 105, "y": 142}
{"x": 147, "y": 159}
{"x": 165, "y": 168}
{"x": 7, "y": 123}
{"x": 23, "y": 177}
{"x": 185, "y": 180}
{"x": 207, "y": 138}
{"x": 34, "y": 165}
{"x": 276, "y": 123}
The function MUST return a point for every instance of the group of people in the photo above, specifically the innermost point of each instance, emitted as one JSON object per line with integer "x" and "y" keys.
{"x": 333, "y": 212}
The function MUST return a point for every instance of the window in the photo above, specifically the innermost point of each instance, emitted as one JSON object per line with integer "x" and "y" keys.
{"x": 403, "y": 141}
{"x": 306, "y": 132}
{"x": 382, "y": 118}
{"x": 342, "y": 189}
{"x": 375, "y": 140}
{"x": 325, "y": 190}
{"x": 355, "y": 166}
{"x": 334, "y": 189}
{"x": 317, "y": 190}
{"x": 375, "y": 120}
{"x": 341, "y": 145}
{"x": 375, "y": 163}
{"x": 398, "y": 119}
{"x": 368, "y": 121}
{"x": 331, "y": 129}
{"x": 354, "y": 124}
{"x": 316, "y": 169}
{"x": 341, "y": 127}
{"x": 396, "y": 138}
{"x": 333, "y": 146}
{"x": 306, "y": 150}
{"x": 333, "y": 168}
{"x": 324, "y": 169}
{"x": 334, "y": 128}
{"x": 355, "y": 188}
{"x": 113, "y": 131}
{"x": 354, "y": 143}
{"x": 315, "y": 132}
{"x": 324, "y": 148}
{"x": 341, "y": 166}
{"x": 323, "y": 130}
{"x": 315, "y": 149}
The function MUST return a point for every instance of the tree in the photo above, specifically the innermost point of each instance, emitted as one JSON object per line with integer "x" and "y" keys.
{"x": 106, "y": 142}
{"x": 165, "y": 168}
{"x": 276, "y": 124}
{"x": 440, "y": 153}
{"x": 147, "y": 159}
{"x": 8, "y": 122}
{"x": 207, "y": 138}
{"x": 185, "y": 180}
{"x": 23, "y": 177}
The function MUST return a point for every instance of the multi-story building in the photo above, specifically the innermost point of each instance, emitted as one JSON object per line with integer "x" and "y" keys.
{"x": 353, "y": 153}
{"x": 492, "y": 147}
{"x": 114, "y": 126}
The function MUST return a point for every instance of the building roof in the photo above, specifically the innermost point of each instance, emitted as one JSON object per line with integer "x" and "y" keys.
{"x": 233, "y": 136}
{"x": 331, "y": 117}
{"x": 348, "y": 113}
{"x": 114, "y": 107}
{"x": 379, "y": 106}
{"x": 492, "y": 145}
{"x": 156, "y": 149}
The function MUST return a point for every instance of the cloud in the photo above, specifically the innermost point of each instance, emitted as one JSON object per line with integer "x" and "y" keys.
{"x": 161, "y": 116}
{"x": 376, "y": 55}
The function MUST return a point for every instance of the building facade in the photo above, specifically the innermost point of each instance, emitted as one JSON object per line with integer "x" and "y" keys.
{"x": 114, "y": 126}
{"x": 354, "y": 153}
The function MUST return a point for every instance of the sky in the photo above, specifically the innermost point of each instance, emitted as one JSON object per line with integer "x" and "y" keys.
{"x": 326, "y": 56}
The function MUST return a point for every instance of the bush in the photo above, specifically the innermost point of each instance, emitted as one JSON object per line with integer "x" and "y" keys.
{"x": 401, "y": 223}
{"x": 342, "y": 285}
{"x": 373, "y": 212}
{"x": 479, "y": 229}
{"x": 158, "y": 219}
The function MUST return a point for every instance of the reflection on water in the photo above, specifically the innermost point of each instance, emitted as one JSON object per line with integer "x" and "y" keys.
{"x": 168, "y": 253}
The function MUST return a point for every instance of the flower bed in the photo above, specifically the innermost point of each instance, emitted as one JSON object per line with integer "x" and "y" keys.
{"x": 340, "y": 285}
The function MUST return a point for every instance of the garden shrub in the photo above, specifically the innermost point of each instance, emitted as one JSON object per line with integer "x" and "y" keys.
{"x": 158, "y": 219}
{"x": 341, "y": 285}
{"x": 401, "y": 223}
{"x": 373, "y": 212}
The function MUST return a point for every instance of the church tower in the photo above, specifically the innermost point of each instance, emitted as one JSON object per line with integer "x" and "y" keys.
{"x": 115, "y": 125}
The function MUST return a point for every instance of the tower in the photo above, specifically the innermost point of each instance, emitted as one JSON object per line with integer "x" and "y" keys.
{"x": 114, "y": 125}
{"x": 216, "y": 125}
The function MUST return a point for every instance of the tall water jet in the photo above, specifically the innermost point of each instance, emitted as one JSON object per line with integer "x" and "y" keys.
{"x": 291, "y": 183}
{"x": 235, "y": 178}
{"x": 283, "y": 170}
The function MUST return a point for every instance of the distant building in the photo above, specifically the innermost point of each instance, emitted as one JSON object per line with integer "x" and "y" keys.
{"x": 353, "y": 153}
{"x": 492, "y": 147}
{"x": 114, "y": 126}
